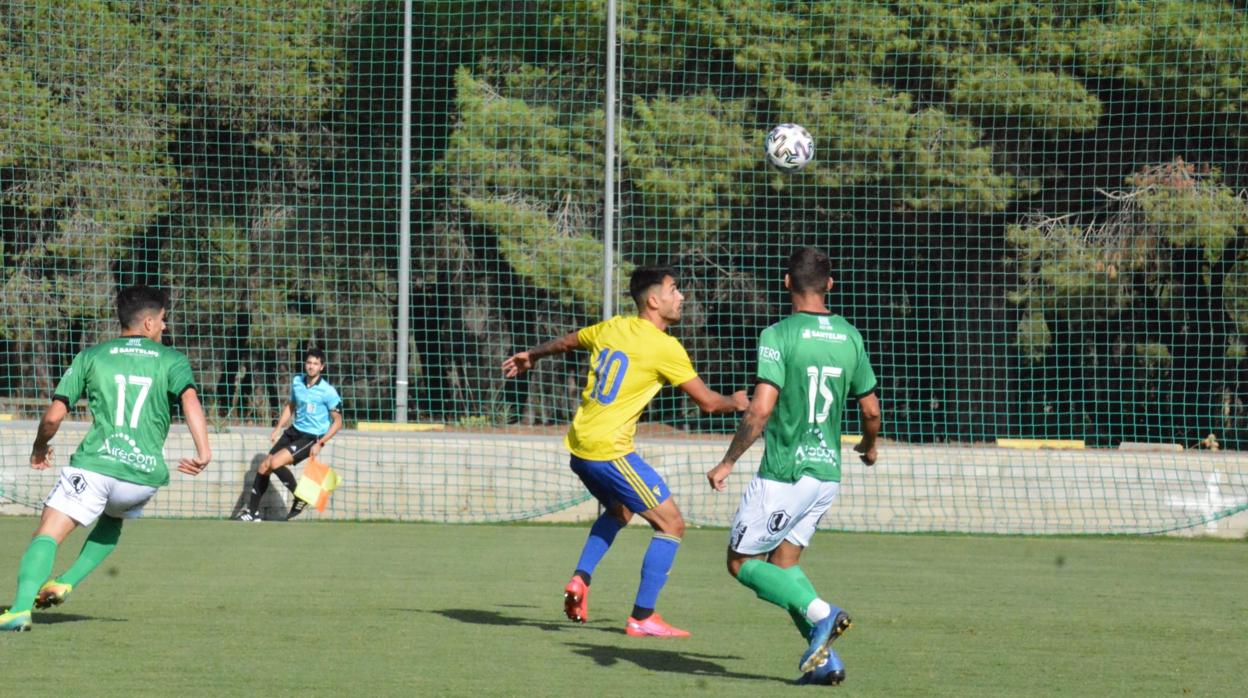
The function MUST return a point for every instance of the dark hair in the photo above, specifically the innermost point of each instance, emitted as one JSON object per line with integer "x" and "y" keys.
{"x": 315, "y": 352}
{"x": 643, "y": 279}
{"x": 809, "y": 270}
{"x": 134, "y": 302}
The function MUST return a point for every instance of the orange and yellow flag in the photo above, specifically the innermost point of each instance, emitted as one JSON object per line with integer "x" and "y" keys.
{"x": 317, "y": 481}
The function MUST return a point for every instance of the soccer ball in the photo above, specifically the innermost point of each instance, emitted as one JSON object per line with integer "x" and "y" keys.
{"x": 789, "y": 147}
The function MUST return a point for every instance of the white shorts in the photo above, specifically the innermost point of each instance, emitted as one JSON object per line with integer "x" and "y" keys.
{"x": 772, "y": 512}
{"x": 83, "y": 495}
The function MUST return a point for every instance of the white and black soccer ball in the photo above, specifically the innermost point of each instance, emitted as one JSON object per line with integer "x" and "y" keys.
{"x": 789, "y": 147}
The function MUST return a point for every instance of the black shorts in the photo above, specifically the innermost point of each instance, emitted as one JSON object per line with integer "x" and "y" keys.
{"x": 298, "y": 443}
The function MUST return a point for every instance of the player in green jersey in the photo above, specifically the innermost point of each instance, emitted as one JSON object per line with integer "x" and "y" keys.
{"x": 808, "y": 365}
{"x": 129, "y": 382}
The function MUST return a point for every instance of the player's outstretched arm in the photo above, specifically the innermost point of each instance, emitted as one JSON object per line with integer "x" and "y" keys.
{"x": 712, "y": 402}
{"x": 751, "y": 427}
{"x": 522, "y": 361}
{"x": 869, "y": 417}
{"x": 198, "y": 426}
{"x": 41, "y": 451}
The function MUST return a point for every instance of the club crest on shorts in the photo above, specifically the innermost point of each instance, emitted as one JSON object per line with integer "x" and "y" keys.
{"x": 778, "y": 521}
{"x": 78, "y": 482}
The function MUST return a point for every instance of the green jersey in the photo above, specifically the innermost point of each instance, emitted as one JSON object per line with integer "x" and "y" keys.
{"x": 816, "y": 361}
{"x": 129, "y": 382}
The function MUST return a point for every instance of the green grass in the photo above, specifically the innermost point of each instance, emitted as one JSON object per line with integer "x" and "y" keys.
{"x": 222, "y": 608}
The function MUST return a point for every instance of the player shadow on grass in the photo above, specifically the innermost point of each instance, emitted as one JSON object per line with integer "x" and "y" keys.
{"x": 478, "y": 616}
{"x": 53, "y": 618}
{"x": 272, "y": 506}
{"x": 669, "y": 658}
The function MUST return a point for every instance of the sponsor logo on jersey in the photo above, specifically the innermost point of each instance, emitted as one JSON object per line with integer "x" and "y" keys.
{"x": 768, "y": 354}
{"x": 825, "y": 335}
{"x": 124, "y": 449}
{"x": 822, "y": 454}
{"x": 134, "y": 350}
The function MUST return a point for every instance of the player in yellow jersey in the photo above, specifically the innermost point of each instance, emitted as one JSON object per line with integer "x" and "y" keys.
{"x": 631, "y": 358}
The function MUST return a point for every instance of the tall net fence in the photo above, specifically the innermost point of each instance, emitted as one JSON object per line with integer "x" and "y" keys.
{"x": 1036, "y": 212}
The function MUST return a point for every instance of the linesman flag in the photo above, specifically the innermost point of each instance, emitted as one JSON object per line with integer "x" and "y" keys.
{"x": 317, "y": 482}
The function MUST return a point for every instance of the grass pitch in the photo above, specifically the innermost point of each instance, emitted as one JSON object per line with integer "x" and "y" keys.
{"x": 223, "y": 608}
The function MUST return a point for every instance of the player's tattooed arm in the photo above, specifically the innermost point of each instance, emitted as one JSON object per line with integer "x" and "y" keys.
{"x": 522, "y": 361}
{"x": 558, "y": 345}
{"x": 748, "y": 431}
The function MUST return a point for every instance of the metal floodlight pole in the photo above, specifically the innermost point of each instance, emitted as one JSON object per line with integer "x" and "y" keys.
{"x": 608, "y": 187}
{"x": 405, "y": 223}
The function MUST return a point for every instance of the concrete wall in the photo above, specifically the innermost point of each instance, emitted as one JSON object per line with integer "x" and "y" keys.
{"x": 436, "y": 476}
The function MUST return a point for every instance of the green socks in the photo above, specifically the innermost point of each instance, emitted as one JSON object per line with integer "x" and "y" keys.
{"x": 778, "y": 586}
{"x": 35, "y": 568}
{"x": 799, "y": 617}
{"x": 99, "y": 544}
{"x": 789, "y": 589}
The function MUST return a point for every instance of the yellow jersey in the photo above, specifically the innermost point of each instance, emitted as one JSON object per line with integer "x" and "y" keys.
{"x": 630, "y": 360}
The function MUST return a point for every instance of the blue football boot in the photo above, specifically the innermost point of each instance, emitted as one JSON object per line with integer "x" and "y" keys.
{"x": 821, "y": 637}
{"x": 830, "y": 673}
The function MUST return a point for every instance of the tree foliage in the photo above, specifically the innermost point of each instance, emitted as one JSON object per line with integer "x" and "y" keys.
{"x": 212, "y": 146}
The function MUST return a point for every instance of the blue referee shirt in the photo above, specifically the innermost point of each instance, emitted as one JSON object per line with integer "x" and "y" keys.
{"x": 313, "y": 404}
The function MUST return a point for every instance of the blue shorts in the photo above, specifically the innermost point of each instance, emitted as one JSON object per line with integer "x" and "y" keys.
{"x": 626, "y": 480}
